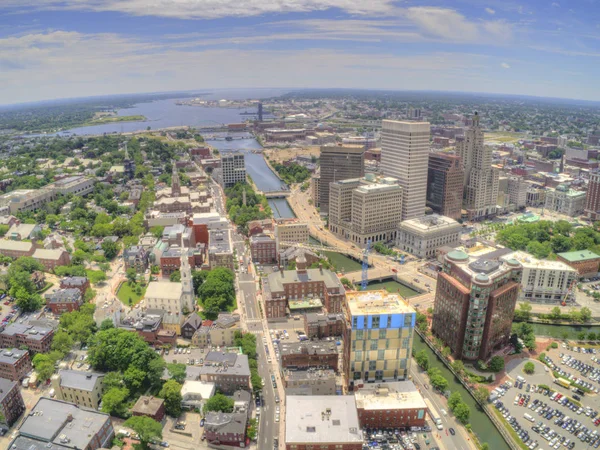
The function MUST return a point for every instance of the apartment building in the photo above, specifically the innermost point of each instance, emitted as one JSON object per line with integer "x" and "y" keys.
{"x": 310, "y": 382}
{"x": 226, "y": 429}
{"x": 475, "y": 303}
{"x": 585, "y": 262}
{"x": 309, "y": 354}
{"x": 220, "y": 249}
{"x": 290, "y": 231}
{"x": 11, "y": 402}
{"x": 445, "y": 177}
{"x": 37, "y": 339}
{"x": 338, "y": 163}
{"x": 422, "y": 236}
{"x": 64, "y": 300}
{"x": 405, "y": 156}
{"x": 517, "y": 191}
{"x": 52, "y": 258}
{"x": 592, "y": 200}
{"x": 15, "y": 364}
{"x": 263, "y": 249}
{"x": 220, "y": 333}
{"x": 378, "y": 337}
{"x": 80, "y": 283}
{"x": 16, "y": 249}
{"x": 228, "y": 371}
{"x": 79, "y": 387}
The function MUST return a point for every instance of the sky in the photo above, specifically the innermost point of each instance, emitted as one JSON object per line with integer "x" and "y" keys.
{"x": 53, "y": 49}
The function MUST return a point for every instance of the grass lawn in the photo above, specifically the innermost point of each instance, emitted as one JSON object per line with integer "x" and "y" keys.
{"x": 47, "y": 286}
{"x": 125, "y": 291}
{"x": 503, "y": 137}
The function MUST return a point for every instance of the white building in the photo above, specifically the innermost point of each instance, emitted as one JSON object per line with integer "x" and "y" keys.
{"x": 544, "y": 281}
{"x": 565, "y": 200}
{"x": 195, "y": 393}
{"x": 424, "y": 235}
{"x": 363, "y": 209}
{"x": 168, "y": 296}
{"x": 233, "y": 169}
{"x": 405, "y": 156}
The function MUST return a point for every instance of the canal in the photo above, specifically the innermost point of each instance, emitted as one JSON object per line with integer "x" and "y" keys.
{"x": 480, "y": 422}
{"x": 562, "y": 331}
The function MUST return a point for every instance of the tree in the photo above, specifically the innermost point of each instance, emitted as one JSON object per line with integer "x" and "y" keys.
{"x": 218, "y": 402}
{"x": 560, "y": 243}
{"x": 106, "y": 324}
{"x": 44, "y": 366}
{"x": 481, "y": 394}
{"x": 422, "y": 359}
{"x": 62, "y": 342}
{"x": 134, "y": 378}
{"x": 171, "y": 392}
{"x": 591, "y": 336}
{"x": 454, "y": 399}
{"x": 177, "y": 372}
{"x": 524, "y": 312}
{"x": 110, "y": 249}
{"x": 585, "y": 314}
{"x": 131, "y": 275}
{"x": 175, "y": 276}
{"x": 114, "y": 402}
{"x": 458, "y": 366}
{"x": 462, "y": 412}
{"x": 439, "y": 382}
{"x": 555, "y": 313}
{"x": 485, "y": 446}
{"x": 496, "y": 364}
{"x": 113, "y": 380}
{"x": 446, "y": 352}
{"x": 529, "y": 368}
{"x": 96, "y": 276}
{"x": 157, "y": 231}
{"x": 146, "y": 428}
{"x": 581, "y": 335}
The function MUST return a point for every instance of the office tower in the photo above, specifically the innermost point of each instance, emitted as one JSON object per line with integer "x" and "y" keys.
{"x": 338, "y": 163}
{"x": 481, "y": 180}
{"x": 445, "y": 177}
{"x": 233, "y": 169}
{"x": 378, "y": 337}
{"x": 475, "y": 303}
{"x": 260, "y": 111}
{"x": 517, "y": 191}
{"x": 405, "y": 155}
{"x": 414, "y": 113}
{"x": 365, "y": 208}
{"x": 592, "y": 201}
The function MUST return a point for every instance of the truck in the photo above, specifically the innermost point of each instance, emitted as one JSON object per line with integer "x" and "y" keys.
{"x": 562, "y": 382}
{"x": 434, "y": 414}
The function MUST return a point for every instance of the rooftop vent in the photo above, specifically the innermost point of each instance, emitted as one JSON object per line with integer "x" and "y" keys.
{"x": 311, "y": 429}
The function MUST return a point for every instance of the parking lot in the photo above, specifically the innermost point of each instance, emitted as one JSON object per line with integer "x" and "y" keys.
{"x": 395, "y": 439}
{"x": 557, "y": 417}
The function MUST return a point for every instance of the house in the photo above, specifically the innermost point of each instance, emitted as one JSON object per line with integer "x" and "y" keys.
{"x": 136, "y": 257}
{"x": 78, "y": 387}
{"x": 226, "y": 429}
{"x": 24, "y": 231}
{"x": 16, "y": 249}
{"x": 190, "y": 326}
{"x": 52, "y": 258}
{"x": 11, "y": 401}
{"x": 152, "y": 407}
{"x": 219, "y": 333}
{"x": 195, "y": 393}
{"x": 64, "y": 300}
{"x": 81, "y": 283}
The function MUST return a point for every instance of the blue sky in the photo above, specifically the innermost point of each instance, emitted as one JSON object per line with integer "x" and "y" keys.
{"x": 71, "y": 48}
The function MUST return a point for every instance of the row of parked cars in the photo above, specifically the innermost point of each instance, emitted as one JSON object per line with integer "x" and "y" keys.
{"x": 393, "y": 439}
{"x": 521, "y": 431}
{"x": 586, "y": 370}
{"x": 569, "y": 376}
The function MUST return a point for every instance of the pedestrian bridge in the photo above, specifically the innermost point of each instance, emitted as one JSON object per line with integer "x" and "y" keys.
{"x": 277, "y": 194}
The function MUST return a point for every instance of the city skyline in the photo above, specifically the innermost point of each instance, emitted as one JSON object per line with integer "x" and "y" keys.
{"x": 65, "y": 48}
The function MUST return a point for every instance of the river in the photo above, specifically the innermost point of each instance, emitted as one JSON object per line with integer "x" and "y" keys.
{"x": 481, "y": 424}
{"x": 558, "y": 331}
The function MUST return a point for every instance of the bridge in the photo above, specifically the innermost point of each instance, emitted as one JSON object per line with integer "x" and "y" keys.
{"x": 277, "y": 194}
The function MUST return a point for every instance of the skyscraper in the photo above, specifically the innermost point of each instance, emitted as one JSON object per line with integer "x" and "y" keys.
{"x": 233, "y": 169}
{"x": 339, "y": 163}
{"x": 592, "y": 201}
{"x": 445, "y": 177}
{"x": 405, "y": 155}
{"x": 481, "y": 180}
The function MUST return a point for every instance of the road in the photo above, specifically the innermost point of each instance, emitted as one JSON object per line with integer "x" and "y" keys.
{"x": 268, "y": 428}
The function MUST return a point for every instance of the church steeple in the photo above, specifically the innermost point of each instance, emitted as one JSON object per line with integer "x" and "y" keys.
{"x": 187, "y": 283}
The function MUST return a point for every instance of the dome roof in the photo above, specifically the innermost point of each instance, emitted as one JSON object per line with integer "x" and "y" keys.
{"x": 482, "y": 278}
{"x": 458, "y": 255}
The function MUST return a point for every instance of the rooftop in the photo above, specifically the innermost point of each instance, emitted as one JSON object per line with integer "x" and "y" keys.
{"x": 202, "y": 388}
{"x": 227, "y": 363}
{"x": 42, "y": 253}
{"x": 305, "y": 303}
{"x": 530, "y": 261}
{"x": 20, "y": 246}
{"x": 11, "y": 356}
{"x": 579, "y": 255}
{"x": 388, "y": 396}
{"x": 431, "y": 222}
{"x": 219, "y": 241}
{"x": 164, "y": 290}
{"x": 25, "y": 443}
{"x": 63, "y": 423}
{"x": 75, "y": 379}
{"x": 276, "y": 280}
{"x": 148, "y": 406}
{"x": 36, "y": 333}
{"x": 5, "y": 387}
{"x": 310, "y": 374}
{"x": 376, "y": 302}
{"x": 308, "y": 348}
{"x": 224, "y": 423}
{"x": 322, "y": 419}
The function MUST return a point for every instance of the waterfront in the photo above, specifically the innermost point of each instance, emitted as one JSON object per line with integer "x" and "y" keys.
{"x": 480, "y": 422}
{"x": 558, "y": 331}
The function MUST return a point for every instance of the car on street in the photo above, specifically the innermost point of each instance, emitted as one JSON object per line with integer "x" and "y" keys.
{"x": 452, "y": 432}
{"x": 202, "y": 422}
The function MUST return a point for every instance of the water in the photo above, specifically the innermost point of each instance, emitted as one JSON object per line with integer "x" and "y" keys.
{"x": 482, "y": 425}
{"x": 343, "y": 263}
{"x": 281, "y": 208}
{"x": 557, "y": 331}
{"x": 393, "y": 287}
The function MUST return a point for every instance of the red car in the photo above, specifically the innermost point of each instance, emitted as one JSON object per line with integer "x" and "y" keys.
{"x": 7, "y": 303}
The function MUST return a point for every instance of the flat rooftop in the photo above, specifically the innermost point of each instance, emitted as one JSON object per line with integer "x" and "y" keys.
{"x": 362, "y": 303}
{"x": 530, "y": 261}
{"x": 430, "y": 223}
{"x": 579, "y": 256}
{"x": 164, "y": 289}
{"x": 322, "y": 419}
{"x": 276, "y": 280}
{"x": 307, "y": 303}
{"x": 11, "y": 356}
{"x": 388, "y": 396}
{"x": 308, "y": 348}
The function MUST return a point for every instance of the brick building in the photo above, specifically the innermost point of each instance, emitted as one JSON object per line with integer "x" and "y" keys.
{"x": 152, "y": 407}
{"x": 15, "y": 364}
{"x": 64, "y": 300}
{"x": 592, "y": 200}
{"x": 585, "y": 262}
{"x": 11, "y": 401}
{"x": 321, "y": 325}
{"x": 308, "y": 354}
{"x": 227, "y": 429}
{"x": 263, "y": 249}
{"x": 81, "y": 283}
{"x": 52, "y": 258}
{"x": 37, "y": 339}
{"x": 445, "y": 177}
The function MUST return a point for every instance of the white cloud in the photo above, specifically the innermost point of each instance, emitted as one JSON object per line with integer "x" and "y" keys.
{"x": 505, "y": 65}
{"x": 556, "y": 4}
{"x": 490, "y": 11}
{"x": 205, "y": 9}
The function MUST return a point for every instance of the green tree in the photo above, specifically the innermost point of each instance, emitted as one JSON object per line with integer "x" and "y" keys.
{"x": 581, "y": 335}
{"x": 529, "y": 368}
{"x": 446, "y": 352}
{"x": 458, "y": 366}
{"x": 106, "y": 324}
{"x": 175, "y": 276}
{"x": 585, "y": 314}
{"x": 439, "y": 382}
{"x": 96, "y": 276}
{"x": 43, "y": 365}
{"x": 113, "y": 380}
{"x": 157, "y": 231}
{"x": 591, "y": 336}
{"x": 177, "y": 372}
{"x": 134, "y": 378}
{"x": 146, "y": 428}
{"x": 131, "y": 275}
{"x": 496, "y": 364}
{"x": 560, "y": 244}
{"x": 454, "y": 399}
{"x": 481, "y": 394}
{"x": 62, "y": 342}
{"x": 555, "y": 313}
{"x": 524, "y": 312}
{"x": 422, "y": 359}
{"x": 114, "y": 402}
{"x": 171, "y": 392}
{"x": 110, "y": 249}
{"x": 218, "y": 402}
{"x": 462, "y": 412}
{"x": 485, "y": 446}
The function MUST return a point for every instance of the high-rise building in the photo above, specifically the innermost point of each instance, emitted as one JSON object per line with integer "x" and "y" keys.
{"x": 378, "y": 337}
{"x": 481, "y": 180}
{"x": 517, "y": 191}
{"x": 445, "y": 177}
{"x": 363, "y": 209}
{"x": 592, "y": 201}
{"x": 233, "y": 169}
{"x": 475, "y": 303}
{"x": 404, "y": 155}
{"x": 414, "y": 113}
{"x": 338, "y": 163}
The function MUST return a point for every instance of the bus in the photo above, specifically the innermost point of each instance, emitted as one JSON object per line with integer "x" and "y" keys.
{"x": 433, "y": 413}
{"x": 562, "y": 382}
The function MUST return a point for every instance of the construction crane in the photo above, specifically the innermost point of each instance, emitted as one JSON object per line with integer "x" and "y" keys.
{"x": 564, "y": 301}
{"x": 365, "y": 267}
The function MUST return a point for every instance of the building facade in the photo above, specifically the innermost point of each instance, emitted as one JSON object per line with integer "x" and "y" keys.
{"x": 405, "y": 156}
{"x": 290, "y": 231}
{"x": 78, "y": 387}
{"x": 422, "y": 236}
{"x": 481, "y": 180}
{"x": 15, "y": 364}
{"x": 475, "y": 304}
{"x": 445, "y": 177}
{"x": 309, "y": 354}
{"x": 517, "y": 191}
{"x": 310, "y": 382}
{"x": 228, "y": 429}
{"x": 64, "y": 300}
{"x": 565, "y": 200}
{"x": 378, "y": 338}
{"x": 592, "y": 200}
{"x": 11, "y": 402}
{"x": 338, "y": 163}
{"x": 263, "y": 249}
{"x": 37, "y": 339}
{"x": 233, "y": 169}
{"x": 585, "y": 262}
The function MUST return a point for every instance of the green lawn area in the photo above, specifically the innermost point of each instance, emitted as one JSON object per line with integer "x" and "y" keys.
{"x": 125, "y": 291}
{"x": 47, "y": 286}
